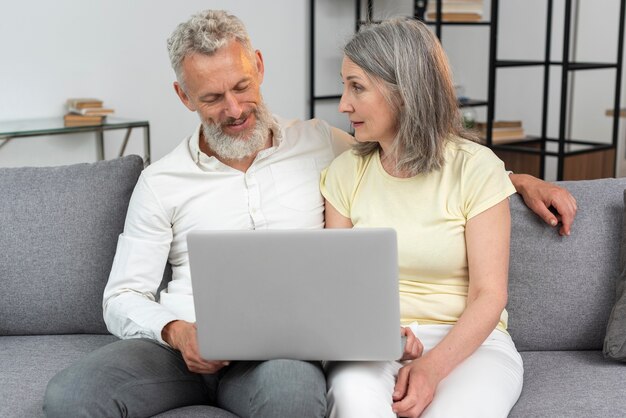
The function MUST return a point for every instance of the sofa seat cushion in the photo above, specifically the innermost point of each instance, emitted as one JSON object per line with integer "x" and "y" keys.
{"x": 29, "y": 362}
{"x": 571, "y": 384}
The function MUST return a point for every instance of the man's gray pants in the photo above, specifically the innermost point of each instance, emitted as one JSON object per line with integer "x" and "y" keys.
{"x": 142, "y": 378}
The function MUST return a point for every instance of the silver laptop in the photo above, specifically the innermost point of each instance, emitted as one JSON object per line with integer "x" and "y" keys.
{"x": 329, "y": 294}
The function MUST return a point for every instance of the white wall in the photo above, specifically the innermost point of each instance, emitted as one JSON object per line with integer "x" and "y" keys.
{"x": 115, "y": 50}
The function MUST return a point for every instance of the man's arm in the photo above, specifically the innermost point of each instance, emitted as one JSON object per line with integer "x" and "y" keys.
{"x": 130, "y": 308}
{"x": 541, "y": 196}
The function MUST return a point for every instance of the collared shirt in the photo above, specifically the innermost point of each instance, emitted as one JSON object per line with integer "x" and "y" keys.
{"x": 188, "y": 190}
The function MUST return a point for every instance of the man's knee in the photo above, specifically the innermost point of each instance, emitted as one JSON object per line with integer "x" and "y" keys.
{"x": 128, "y": 377}
{"x": 65, "y": 396}
{"x": 291, "y": 387}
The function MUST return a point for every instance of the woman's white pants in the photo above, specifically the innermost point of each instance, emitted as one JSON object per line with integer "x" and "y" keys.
{"x": 487, "y": 384}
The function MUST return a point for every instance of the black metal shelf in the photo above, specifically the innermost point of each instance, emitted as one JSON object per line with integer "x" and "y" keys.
{"x": 369, "y": 11}
{"x": 472, "y": 103}
{"x": 521, "y": 146}
{"x": 328, "y": 97}
{"x": 365, "y": 22}
{"x": 572, "y": 66}
{"x": 443, "y": 22}
{"x": 494, "y": 63}
{"x": 448, "y": 23}
{"x": 568, "y": 66}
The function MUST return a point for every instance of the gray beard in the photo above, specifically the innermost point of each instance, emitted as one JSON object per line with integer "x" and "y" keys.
{"x": 239, "y": 147}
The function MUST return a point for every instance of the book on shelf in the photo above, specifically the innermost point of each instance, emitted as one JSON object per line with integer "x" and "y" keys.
{"x": 457, "y": 6}
{"x": 72, "y": 119}
{"x": 87, "y": 106}
{"x": 82, "y": 103}
{"x": 622, "y": 112}
{"x": 500, "y": 124}
{"x": 91, "y": 111}
{"x": 456, "y": 10}
{"x": 502, "y": 132}
{"x": 455, "y": 17}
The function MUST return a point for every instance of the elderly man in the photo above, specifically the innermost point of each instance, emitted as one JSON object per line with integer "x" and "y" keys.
{"x": 241, "y": 169}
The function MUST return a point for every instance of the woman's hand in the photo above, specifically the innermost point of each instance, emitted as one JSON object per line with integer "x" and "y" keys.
{"x": 415, "y": 388}
{"x": 413, "y": 347}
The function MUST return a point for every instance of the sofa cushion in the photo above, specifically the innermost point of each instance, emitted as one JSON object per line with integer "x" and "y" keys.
{"x": 29, "y": 362}
{"x": 615, "y": 340}
{"x": 561, "y": 289}
{"x": 59, "y": 233}
{"x": 561, "y": 384}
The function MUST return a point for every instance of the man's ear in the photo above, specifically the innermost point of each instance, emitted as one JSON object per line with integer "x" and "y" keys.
{"x": 183, "y": 96}
{"x": 259, "y": 65}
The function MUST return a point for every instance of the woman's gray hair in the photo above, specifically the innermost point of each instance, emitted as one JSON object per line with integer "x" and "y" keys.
{"x": 406, "y": 59}
{"x": 204, "y": 33}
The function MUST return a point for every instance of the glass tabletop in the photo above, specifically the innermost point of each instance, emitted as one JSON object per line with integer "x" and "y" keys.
{"x": 42, "y": 126}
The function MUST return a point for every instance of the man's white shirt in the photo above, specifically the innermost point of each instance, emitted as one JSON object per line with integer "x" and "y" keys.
{"x": 188, "y": 190}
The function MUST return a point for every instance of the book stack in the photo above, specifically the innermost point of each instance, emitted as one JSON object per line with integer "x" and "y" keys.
{"x": 85, "y": 112}
{"x": 456, "y": 10}
{"x": 503, "y": 131}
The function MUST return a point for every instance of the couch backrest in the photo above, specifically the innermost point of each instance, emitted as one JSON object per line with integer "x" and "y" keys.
{"x": 58, "y": 233}
{"x": 562, "y": 289}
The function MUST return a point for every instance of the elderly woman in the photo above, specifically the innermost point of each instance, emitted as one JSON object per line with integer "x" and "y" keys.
{"x": 415, "y": 169}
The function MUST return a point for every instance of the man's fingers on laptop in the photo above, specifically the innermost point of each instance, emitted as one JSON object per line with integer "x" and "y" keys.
{"x": 198, "y": 365}
{"x": 182, "y": 336}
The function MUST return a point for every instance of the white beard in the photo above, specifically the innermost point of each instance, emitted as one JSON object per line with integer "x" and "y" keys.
{"x": 239, "y": 147}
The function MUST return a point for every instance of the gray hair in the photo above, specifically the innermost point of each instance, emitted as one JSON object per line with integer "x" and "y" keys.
{"x": 204, "y": 33}
{"x": 406, "y": 59}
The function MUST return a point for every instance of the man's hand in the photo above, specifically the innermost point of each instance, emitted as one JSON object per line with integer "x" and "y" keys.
{"x": 182, "y": 336}
{"x": 541, "y": 197}
{"x": 413, "y": 347}
{"x": 414, "y": 390}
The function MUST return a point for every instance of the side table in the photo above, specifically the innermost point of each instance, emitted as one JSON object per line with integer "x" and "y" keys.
{"x": 10, "y": 130}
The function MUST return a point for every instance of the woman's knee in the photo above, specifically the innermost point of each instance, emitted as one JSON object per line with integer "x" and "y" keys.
{"x": 361, "y": 390}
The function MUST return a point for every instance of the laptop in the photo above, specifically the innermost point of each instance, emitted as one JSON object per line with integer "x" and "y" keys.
{"x": 329, "y": 294}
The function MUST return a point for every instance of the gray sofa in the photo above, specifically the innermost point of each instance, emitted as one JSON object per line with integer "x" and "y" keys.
{"x": 59, "y": 233}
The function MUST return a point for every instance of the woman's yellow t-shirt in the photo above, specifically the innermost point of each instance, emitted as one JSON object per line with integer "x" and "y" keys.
{"x": 429, "y": 213}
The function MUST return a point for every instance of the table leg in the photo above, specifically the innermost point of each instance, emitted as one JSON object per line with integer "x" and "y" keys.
{"x": 100, "y": 145}
{"x": 146, "y": 144}
{"x": 125, "y": 142}
{"x": 5, "y": 140}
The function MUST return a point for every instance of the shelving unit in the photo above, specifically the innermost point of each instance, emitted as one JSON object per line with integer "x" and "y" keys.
{"x": 419, "y": 8}
{"x": 569, "y": 161}
{"x": 313, "y": 98}
{"x": 576, "y": 159}
{"x": 418, "y": 12}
